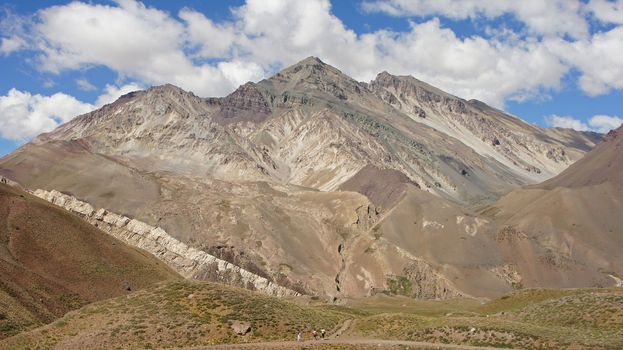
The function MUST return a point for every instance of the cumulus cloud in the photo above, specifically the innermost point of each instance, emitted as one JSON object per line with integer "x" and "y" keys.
{"x": 214, "y": 40}
{"x": 473, "y": 67}
{"x": 598, "y": 123}
{"x": 599, "y": 60}
{"x": 212, "y": 58}
{"x": 24, "y": 115}
{"x": 275, "y": 33}
{"x": 112, "y": 93}
{"x": 566, "y": 122}
{"x": 137, "y": 41}
{"x": 607, "y": 11}
{"x": 605, "y": 123}
{"x": 553, "y": 17}
{"x": 11, "y": 44}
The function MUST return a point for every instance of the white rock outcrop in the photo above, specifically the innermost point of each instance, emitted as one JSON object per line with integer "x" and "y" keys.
{"x": 187, "y": 261}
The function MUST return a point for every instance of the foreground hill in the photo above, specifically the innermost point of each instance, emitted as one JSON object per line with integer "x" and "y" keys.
{"x": 190, "y": 314}
{"x": 52, "y": 262}
{"x": 313, "y": 180}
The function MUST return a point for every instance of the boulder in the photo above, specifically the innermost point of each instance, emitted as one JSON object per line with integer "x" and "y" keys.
{"x": 241, "y": 327}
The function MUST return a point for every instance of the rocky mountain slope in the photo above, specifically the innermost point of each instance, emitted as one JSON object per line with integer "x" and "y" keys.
{"x": 572, "y": 221}
{"x": 52, "y": 262}
{"x": 564, "y": 232}
{"x": 313, "y": 180}
{"x": 313, "y": 126}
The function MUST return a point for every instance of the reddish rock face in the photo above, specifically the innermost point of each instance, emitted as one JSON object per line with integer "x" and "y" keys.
{"x": 246, "y": 104}
{"x": 384, "y": 187}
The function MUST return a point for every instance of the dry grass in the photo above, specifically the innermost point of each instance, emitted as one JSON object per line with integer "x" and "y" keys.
{"x": 179, "y": 314}
{"x": 532, "y": 319}
{"x": 184, "y": 313}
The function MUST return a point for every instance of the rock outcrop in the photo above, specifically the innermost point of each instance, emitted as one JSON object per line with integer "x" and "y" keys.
{"x": 187, "y": 261}
{"x": 428, "y": 283}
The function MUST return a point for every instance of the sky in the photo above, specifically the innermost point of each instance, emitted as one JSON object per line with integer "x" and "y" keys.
{"x": 554, "y": 63}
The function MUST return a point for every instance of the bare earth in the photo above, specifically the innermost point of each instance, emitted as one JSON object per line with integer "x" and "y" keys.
{"x": 345, "y": 343}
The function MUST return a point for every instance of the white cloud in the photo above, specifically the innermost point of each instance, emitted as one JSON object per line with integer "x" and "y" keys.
{"x": 85, "y": 85}
{"x": 274, "y": 34}
{"x": 607, "y": 11}
{"x": 551, "y": 17}
{"x": 599, "y": 59}
{"x": 597, "y": 123}
{"x": 212, "y": 58}
{"x": 112, "y": 93}
{"x": 473, "y": 67}
{"x": 12, "y": 44}
{"x": 24, "y": 115}
{"x": 566, "y": 122}
{"x": 137, "y": 41}
{"x": 150, "y": 46}
{"x": 213, "y": 39}
{"x": 605, "y": 123}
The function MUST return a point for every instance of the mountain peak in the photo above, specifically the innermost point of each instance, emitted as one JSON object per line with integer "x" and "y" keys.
{"x": 401, "y": 82}
{"x": 307, "y": 67}
{"x": 311, "y": 76}
{"x": 153, "y": 92}
{"x": 310, "y": 60}
{"x": 168, "y": 89}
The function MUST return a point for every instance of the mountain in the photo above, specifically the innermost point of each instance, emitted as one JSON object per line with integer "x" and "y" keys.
{"x": 52, "y": 262}
{"x": 571, "y": 222}
{"x": 311, "y": 179}
{"x": 604, "y": 164}
{"x": 313, "y": 126}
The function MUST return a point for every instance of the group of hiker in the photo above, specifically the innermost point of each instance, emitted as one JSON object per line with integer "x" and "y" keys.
{"x": 315, "y": 335}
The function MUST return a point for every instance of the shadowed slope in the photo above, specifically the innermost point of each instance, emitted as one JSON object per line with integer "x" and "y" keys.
{"x": 52, "y": 262}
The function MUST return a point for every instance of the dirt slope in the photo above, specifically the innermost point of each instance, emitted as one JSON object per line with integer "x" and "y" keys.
{"x": 52, "y": 262}
{"x": 604, "y": 164}
{"x": 568, "y": 231}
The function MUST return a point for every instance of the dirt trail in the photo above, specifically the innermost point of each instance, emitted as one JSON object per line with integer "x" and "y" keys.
{"x": 343, "y": 341}
{"x": 345, "y": 327}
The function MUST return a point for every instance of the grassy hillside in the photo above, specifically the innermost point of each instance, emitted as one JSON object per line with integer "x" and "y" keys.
{"x": 180, "y": 314}
{"x": 184, "y": 313}
{"x": 533, "y": 319}
{"x": 52, "y": 262}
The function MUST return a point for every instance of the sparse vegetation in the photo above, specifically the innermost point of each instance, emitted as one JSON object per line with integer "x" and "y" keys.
{"x": 188, "y": 313}
{"x": 534, "y": 319}
{"x": 180, "y": 314}
{"x": 400, "y": 285}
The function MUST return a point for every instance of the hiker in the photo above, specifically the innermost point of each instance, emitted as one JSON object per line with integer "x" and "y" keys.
{"x": 322, "y": 333}
{"x": 298, "y": 336}
{"x": 315, "y": 334}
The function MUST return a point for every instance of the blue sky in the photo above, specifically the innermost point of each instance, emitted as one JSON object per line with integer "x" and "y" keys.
{"x": 552, "y": 63}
